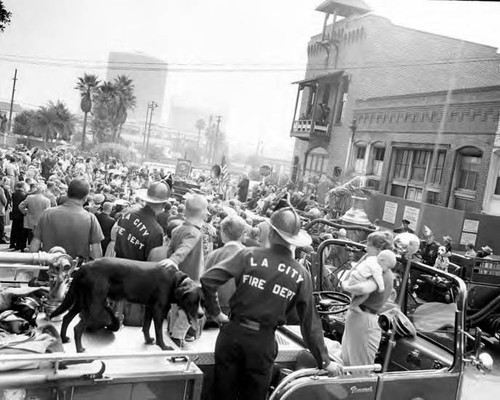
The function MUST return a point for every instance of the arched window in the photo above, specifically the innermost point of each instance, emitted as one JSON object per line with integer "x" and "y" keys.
{"x": 467, "y": 175}
{"x": 317, "y": 161}
{"x": 468, "y": 166}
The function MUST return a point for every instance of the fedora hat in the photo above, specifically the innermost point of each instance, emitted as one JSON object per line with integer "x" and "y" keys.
{"x": 287, "y": 223}
{"x": 487, "y": 249}
{"x": 157, "y": 192}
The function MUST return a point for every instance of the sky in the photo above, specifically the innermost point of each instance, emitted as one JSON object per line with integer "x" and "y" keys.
{"x": 266, "y": 38}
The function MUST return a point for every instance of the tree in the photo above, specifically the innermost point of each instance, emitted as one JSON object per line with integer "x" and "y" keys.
{"x": 53, "y": 122}
{"x": 126, "y": 101}
{"x": 4, "y": 17}
{"x": 104, "y": 110}
{"x": 107, "y": 150}
{"x": 111, "y": 103}
{"x": 200, "y": 125}
{"x": 87, "y": 86}
{"x": 22, "y": 123}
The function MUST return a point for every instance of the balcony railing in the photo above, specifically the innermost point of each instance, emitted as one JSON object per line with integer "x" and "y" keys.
{"x": 304, "y": 128}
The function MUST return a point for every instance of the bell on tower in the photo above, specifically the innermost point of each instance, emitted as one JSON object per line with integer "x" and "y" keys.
{"x": 341, "y": 8}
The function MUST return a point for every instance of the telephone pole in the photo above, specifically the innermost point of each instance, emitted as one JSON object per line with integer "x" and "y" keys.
{"x": 145, "y": 126}
{"x": 218, "y": 118}
{"x": 11, "y": 107}
{"x": 152, "y": 106}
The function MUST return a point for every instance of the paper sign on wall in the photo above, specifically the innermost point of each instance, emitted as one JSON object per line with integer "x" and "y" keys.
{"x": 411, "y": 214}
{"x": 390, "y": 210}
{"x": 468, "y": 238}
{"x": 470, "y": 225}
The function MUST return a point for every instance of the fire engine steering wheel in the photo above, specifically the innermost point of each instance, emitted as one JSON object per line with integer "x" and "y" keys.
{"x": 329, "y": 303}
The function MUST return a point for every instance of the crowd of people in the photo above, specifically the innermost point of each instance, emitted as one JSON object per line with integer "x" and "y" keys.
{"x": 243, "y": 251}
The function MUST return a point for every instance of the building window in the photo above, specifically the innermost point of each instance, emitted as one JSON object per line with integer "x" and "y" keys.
{"x": 341, "y": 100}
{"x": 463, "y": 204}
{"x": 419, "y": 165}
{"x": 497, "y": 187}
{"x": 468, "y": 172}
{"x": 467, "y": 176}
{"x": 317, "y": 161}
{"x": 378, "y": 160}
{"x": 402, "y": 164}
{"x": 432, "y": 198}
{"x": 359, "y": 162}
{"x": 437, "y": 169}
{"x": 412, "y": 172}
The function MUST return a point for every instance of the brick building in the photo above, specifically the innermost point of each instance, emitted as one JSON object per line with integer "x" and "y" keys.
{"x": 434, "y": 148}
{"x": 359, "y": 56}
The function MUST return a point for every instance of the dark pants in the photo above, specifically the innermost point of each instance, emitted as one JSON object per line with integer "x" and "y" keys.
{"x": 243, "y": 363}
{"x": 29, "y": 233}
{"x": 18, "y": 235}
{"x": 2, "y": 227}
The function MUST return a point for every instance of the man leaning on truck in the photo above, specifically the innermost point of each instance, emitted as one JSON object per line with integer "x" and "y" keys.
{"x": 269, "y": 283}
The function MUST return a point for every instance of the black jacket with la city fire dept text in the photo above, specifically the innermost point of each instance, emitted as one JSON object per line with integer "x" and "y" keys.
{"x": 269, "y": 283}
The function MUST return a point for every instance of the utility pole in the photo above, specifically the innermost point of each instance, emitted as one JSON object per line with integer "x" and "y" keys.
{"x": 153, "y": 106}
{"x": 11, "y": 107}
{"x": 218, "y": 118}
{"x": 145, "y": 126}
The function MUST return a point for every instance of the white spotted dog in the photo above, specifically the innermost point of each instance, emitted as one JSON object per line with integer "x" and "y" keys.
{"x": 442, "y": 260}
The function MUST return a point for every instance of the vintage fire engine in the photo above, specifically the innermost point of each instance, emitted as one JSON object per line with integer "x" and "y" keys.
{"x": 422, "y": 354}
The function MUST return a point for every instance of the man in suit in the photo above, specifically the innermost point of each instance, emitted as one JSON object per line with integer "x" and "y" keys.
{"x": 18, "y": 235}
{"x": 405, "y": 227}
{"x": 106, "y": 223}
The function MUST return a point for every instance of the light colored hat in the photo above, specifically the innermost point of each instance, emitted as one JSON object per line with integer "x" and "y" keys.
{"x": 99, "y": 198}
{"x": 487, "y": 249}
{"x": 157, "y": 192}
{"x": 287, "y": 223}
{"x": 427, "y": 231}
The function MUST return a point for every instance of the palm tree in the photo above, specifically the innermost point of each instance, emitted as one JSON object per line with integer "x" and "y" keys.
{"x": 200, "y": 125}
{"x": 106, "y": 104}
{"x": 52, "y": 122}
{"x": 126, "y": 101}
{"x": 86, "y": 85}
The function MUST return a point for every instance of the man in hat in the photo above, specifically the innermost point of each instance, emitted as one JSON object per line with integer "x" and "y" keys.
{"x": 428, "y": 247}
{"x": 106, "y": 223}
{"x": 485, "y": 252}
{"x": 138, "y": 231}
{"x": 186, "y": 248}
{"x": 269, "y": 284}
{"x": 405, "y": 227}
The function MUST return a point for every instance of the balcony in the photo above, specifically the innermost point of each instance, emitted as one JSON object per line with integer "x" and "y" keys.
{"x": 305, "y": 128}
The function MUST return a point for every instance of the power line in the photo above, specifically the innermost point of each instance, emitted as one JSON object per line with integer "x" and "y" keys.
{"x": 232, "y": 68}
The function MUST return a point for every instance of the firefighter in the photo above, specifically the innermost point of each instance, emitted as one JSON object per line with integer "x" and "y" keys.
{"x": 269, "y": 284}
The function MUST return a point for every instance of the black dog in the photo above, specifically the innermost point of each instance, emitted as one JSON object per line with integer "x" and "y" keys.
{"x": 120, "y": 279}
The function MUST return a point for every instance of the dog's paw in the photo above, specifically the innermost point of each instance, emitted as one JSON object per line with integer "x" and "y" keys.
{"x": 65, "y": 339}
{"x": 166, "y": 348}
{"x": 149, "y": 340}
{"x": 80, "y": 350}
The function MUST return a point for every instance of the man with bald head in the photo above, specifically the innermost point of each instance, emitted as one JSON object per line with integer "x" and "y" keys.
{"x": 32, "y": 208}
{"x": 70, "y": 226}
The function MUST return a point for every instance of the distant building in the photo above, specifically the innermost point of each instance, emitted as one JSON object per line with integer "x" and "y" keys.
{"x": 183, "y": 118}
{"x": 150, "y": 79}
{"x": 5, "y": 109}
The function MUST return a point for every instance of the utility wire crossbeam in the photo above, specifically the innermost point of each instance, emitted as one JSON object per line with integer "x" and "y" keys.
{"x": 151, "y": 106}
{"x": 11, "y": 108}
